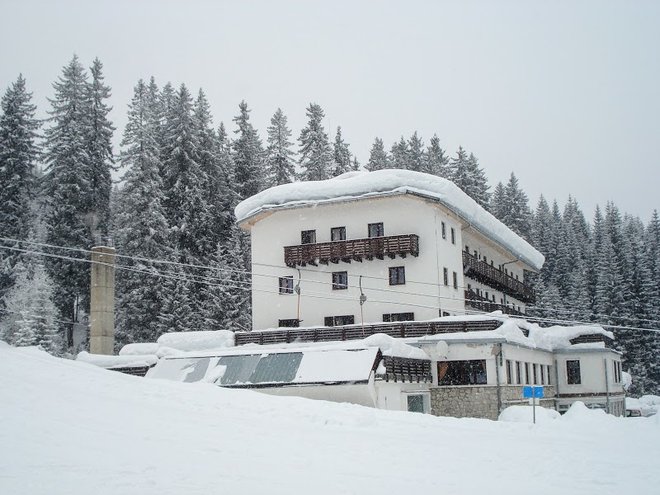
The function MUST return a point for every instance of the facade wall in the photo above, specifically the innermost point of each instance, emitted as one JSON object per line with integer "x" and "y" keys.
{"x": 592, "y": 372}
{"x": 423, "y": 294}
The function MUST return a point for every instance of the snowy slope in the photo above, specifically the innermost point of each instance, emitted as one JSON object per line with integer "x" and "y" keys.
{"x": 68, "y": 427}
{"x": 386, "y": 182}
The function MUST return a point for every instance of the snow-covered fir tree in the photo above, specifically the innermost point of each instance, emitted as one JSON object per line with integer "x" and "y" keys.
{"x": 400, "y": 154}
{"x": 435, "y": 160}
{"x": 280, "y": 164}
{"x": 142, "y": 228}
{"x": 99, "y": 148}
{"x": 315, "y": 152}
{"x": 516, "y": 213}
{"x": 341, "y": 155}
{"x": 416, "y": 153}
{"x": 18, "y": 156}
{"x": 248, "y": 155}
{"x": 378, "y": 159}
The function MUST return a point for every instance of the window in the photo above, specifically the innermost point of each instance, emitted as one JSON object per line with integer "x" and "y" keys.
{"x": 338, "y": 234}
{"x": 476, "y": 254}
{"x": 617, "y": 371}
{"x": 542, "y": 374}
{"x": 339, "y": 280}
{"x": 509, "y": 372}
{"x": 518, "y": 377}
{"x": 337, "y": 321}
{"x": 535, "y": 368}
{"x": 308, "y": 237}
{"x": 286, "y": 285}
{"x": 416, "y": 403}
{"x": 290, "y": 323}
{"x": 443, "y": 227}
{"x": 455, "y": 280}
{"x": 453, "y": 236}
{"x": 397, "y": 275}
{"x": 527, "y": 376}
{"x": 549, "y": 369}
{"x": 376, "y": 230}
{"x": 573, "y": 372}
{"x": 392, "y": 317}
{"x": 462, "y": 372}
{"x": 445, "y": 276}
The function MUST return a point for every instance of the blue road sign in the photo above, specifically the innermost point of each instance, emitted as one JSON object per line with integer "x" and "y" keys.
{"x": 532, "y": 392}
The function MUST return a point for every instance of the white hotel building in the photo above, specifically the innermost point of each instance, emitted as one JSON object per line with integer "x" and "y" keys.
{"x": 418, "y": 246}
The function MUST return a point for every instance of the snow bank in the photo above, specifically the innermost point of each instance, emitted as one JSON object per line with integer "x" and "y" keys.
{"x": 391, "y": 346}
{"x": 117, "y": 361}
{"x": 160, "y": 437}
{"x": 559, "y": 337}
{"x": 387, "y": 182}
{"x": 581, "y": 414}
{"x": 139, "y": 349}
{"x": 525, "y": 414}
{"x": 197, "y": 341}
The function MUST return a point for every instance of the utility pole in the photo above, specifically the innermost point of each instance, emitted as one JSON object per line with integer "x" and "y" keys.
{"x": 102, "y": 301}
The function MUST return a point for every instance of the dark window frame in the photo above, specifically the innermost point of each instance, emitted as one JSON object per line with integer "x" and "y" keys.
{"x": 443, "y": 229}
{"x": 509, "y": 372}
{"x": 462, "y": 372}
{"x": 453, "y": 235}
{"x": 338, "y": 321}
{"x": 288, "y": 323}
{"x": 573, "y": 372}
{"x": 397, "y": 275}
{"x": 338, "y": 230}
{"x": 308, "y": 236}
{"x": 445, "y": 276}
{"x": 286, "y": 284}
{"x": 339, "y": 280}
{"x": 379, "y": 229}
{"x": 395, "y": 317}
{"x": 455, "y": 280}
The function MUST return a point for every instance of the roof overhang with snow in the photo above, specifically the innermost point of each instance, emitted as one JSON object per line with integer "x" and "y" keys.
{"x": 364, "y": 185}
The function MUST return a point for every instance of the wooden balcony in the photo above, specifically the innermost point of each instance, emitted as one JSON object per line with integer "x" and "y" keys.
{"x": 496, "y": 278}
{"x": 352, "y": 250}
{"x": 475, "y": 301}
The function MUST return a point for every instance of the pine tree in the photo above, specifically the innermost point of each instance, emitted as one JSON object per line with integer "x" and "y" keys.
{"x": 341, "y": 155}
{"x": 280, "y": 166}
{"x": 516, "y": 213}
{"x": 378, "y": 159}
{"x": 459, "y": 169}
{"x": 71, "y": 215}
{"x": 416, "y": 159}
{"x": 435, "y": 160}
{"x": 497, "y": 204}
{"x": 478, "y": 188}
{"x": 99, "y": 149}
{"x": 400, "y": 154}
{"x": 248, "y": 155}
{"x": 142, "y": 228}
{"x": 315, "y": 153}
{"x": 18, "y": 155}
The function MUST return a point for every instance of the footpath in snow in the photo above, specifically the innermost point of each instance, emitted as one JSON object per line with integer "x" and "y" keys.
{"x": 71, "y": 428}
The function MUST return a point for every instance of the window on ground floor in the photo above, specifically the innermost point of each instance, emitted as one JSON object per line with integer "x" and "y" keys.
{"x": 573, "y": 372}
{"x": 337, "y": 321}
{"x": 416, "y": 403}
{"x": 528, "y": 380}
{"x": 471, "y": 372}
{"x": 392, "y": 317}
{"x": 288, "y": 323}
{"x": 509, "y": 372}
{"x": 518, "y": 377}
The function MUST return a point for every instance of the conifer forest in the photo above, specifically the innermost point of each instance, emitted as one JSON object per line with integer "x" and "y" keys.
{"x": 165, "y": 200}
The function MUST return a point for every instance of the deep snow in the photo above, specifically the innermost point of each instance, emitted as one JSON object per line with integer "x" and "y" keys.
{"x": 68, "y": 427}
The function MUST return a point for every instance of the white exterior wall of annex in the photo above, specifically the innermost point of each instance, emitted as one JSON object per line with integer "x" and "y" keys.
{"x": 423, "y": 294}
{"x": 522, "y": 355}
{"x": 477, "y": 242}
{"x": 592, "y": 371}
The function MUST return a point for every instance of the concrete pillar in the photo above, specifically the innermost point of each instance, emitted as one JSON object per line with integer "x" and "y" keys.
{"x": 102, "y": 305}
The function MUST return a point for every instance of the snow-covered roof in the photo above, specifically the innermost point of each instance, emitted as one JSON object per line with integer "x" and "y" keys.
{"x": 110, "y": 362}
{"x": 358, "y": 185}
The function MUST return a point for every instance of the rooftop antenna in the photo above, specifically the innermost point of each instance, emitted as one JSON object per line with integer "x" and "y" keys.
{"x": 363, "y": 299}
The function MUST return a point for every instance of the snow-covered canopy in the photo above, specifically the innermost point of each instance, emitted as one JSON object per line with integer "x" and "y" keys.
{"x": 354, "y": 185}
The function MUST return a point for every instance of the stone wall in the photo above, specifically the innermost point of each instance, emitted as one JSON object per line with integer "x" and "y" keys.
{"x": 480, "y": 401}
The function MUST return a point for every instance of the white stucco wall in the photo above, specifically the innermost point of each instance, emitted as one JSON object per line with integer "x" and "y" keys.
{"x": 592, "y": 372}
{"x": 422, "y": 294}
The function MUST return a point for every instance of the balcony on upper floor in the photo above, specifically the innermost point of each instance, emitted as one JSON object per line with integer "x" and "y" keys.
{"x": 352, "y": 250}
{"x": 496, "y": 278}
{"x": 475, "y": 301}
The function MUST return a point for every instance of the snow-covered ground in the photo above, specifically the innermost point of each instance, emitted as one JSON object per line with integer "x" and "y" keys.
{"x": 68, "y": 427}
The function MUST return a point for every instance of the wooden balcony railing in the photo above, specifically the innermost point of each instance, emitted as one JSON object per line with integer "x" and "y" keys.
{"x": 496, "y": 278}
{"x": 352, "y": 250}
{"x": 475, "y": 301}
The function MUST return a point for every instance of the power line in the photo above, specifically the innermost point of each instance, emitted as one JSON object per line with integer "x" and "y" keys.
{"x": 249, "y": 286}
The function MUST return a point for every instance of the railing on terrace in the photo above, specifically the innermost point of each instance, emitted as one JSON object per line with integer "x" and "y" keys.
{"x": 496, "y": 278}
{"x": 475, "y": 301}
{"x": 352, "y": 250}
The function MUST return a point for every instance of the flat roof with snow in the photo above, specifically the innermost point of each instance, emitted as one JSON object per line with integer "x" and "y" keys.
{"x": 362, "y": 185}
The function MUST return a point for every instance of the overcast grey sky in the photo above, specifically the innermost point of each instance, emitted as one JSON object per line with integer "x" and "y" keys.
{"x": 565, "y": 94}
